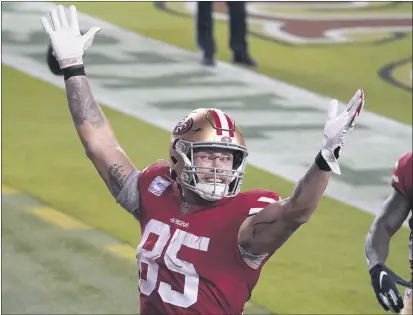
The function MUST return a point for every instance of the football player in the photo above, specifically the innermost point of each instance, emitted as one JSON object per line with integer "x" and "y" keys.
{"x": 203, "y": 242}
{"x": 395, "y": 211}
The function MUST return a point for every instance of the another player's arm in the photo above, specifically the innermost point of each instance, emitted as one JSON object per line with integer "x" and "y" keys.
{"x": 394, "y": 212}
{"x": 271, "y": 227}
{"x": 96, "y": 134}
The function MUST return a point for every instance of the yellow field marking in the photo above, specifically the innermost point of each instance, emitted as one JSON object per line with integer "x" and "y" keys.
{"x": 62, "y": 220}
{"x": 6, "y": 190}
{"x": 122, "y": 250}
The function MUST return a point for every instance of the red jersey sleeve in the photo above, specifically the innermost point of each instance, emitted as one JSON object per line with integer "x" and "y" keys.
{"x": 154, "y": 181}
{"x": 253, "y": 202}
{"x": 402, "y": 176}
{"x": 258, "y": 199}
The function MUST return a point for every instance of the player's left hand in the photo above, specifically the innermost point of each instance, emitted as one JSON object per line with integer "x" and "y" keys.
{"x": 384, "y": 285}
{"x": 338, "y": 127}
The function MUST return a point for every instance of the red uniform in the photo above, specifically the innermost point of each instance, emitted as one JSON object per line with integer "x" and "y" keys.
{"x": 191, "y": 264}
{"x": 402, "y": 177}
{"x": 402, "y": 182}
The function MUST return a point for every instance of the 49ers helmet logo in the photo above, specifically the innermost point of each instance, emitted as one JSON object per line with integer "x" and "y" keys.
{"x": 183, "y": 126}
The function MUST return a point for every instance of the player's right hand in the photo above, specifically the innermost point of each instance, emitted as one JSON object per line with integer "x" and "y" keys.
{"x": 69, "y": 45}
{"x": 384, "y": 285}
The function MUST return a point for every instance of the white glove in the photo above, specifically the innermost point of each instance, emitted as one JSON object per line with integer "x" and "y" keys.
{"x": 338, "y": 127}
{"x": 68, "y": 44}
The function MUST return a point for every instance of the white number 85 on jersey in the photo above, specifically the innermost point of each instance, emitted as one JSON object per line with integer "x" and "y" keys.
{"x": 180, "y": 238}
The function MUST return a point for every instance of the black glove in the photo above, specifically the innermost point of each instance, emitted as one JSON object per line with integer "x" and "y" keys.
{"x": 383, "y": 281}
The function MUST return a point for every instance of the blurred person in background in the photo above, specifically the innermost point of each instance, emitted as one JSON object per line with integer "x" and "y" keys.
{"x": 394, "y": 212}
{"x": 238, "y": 32}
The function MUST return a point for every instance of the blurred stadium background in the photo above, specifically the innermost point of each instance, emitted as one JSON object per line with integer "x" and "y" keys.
{"x": 68, "y": 248}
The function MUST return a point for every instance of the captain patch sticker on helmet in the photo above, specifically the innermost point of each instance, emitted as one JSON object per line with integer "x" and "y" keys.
{"x": 183, "y": 126}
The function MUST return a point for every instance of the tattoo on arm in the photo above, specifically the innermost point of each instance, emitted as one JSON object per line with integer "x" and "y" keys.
{"x": 270, "y": 228}
{"x": 82, "y": 105}
{"x": 267, "y": 234}
{"x": 255, "y": 226}
{"x": 117, "y": 178}
{"x": 97, "y": 136}
{"x": 310, "y": 188}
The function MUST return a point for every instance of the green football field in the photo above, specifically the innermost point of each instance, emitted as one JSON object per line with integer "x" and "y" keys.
{"x": 320, "y": 270}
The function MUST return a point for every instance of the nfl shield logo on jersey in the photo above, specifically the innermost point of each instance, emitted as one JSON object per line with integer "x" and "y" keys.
{"x": 158, "y": 186}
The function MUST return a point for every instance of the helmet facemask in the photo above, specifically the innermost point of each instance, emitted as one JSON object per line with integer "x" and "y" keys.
{"x": 220, "y": 183}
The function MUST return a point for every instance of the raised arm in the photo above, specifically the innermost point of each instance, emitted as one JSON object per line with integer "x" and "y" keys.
{"x": 93, "y": 128}
{"x": 96, "y": 134}
{"x": 271, "y": 227}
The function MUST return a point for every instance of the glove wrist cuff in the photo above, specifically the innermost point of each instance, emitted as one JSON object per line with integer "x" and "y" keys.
{"x": 73, "y": 71}
{"x": 376, "y": 267}
{"x": 70, "y": 62}
{"x": 321, "y": 163}
{"x": 330, "y": 157}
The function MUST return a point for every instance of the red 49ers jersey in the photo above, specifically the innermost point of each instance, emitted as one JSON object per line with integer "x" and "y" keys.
{"x": 402, "y": 177}
{"x": 191, "y": 264}
{"x": 402, "y": 181}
